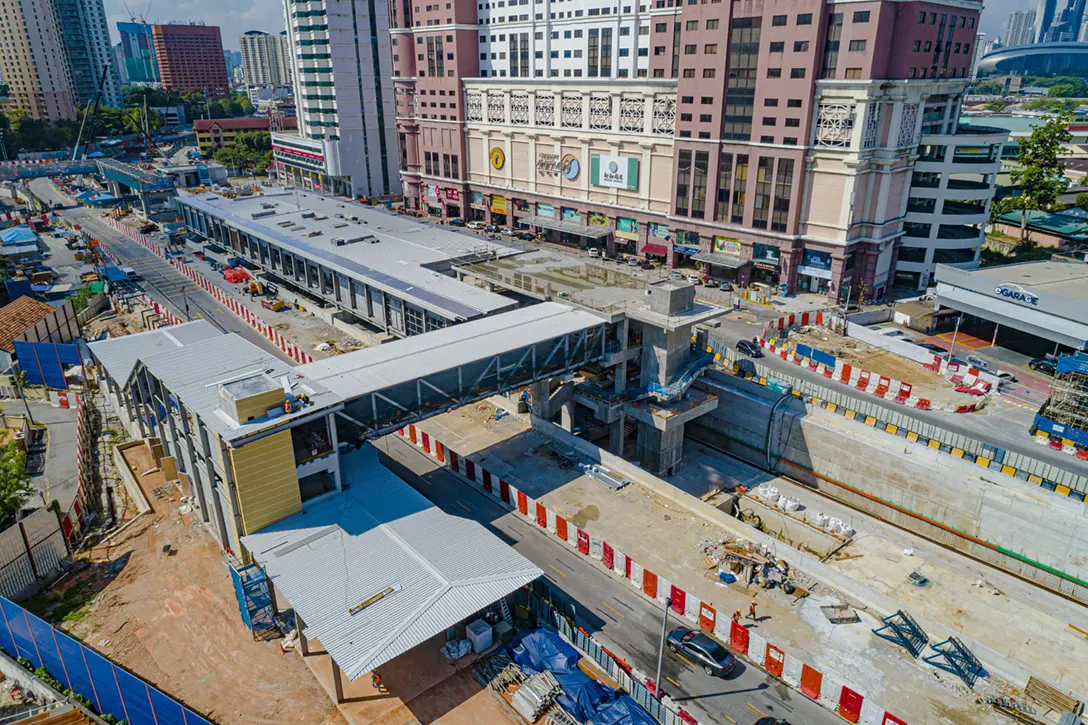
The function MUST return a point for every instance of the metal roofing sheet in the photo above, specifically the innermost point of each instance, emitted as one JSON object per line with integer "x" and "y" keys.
{"x": 119, "y": 355}
{"x": 382, "y": 533}
{"x": 192, "y": 373}
{"x": 393, "y": 261}
{"x": 375, "y": 368}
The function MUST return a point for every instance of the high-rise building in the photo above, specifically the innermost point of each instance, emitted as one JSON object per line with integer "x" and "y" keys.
{"x": 266, "y": 59}
{"x": 342, "y": 71}
{"x": 619, "y": 128}
{"x": 228, "y": 61}
{"x": 1044, "y": 18}
{"x": 87, "y": 41}
{"x": 138, "y": 49}
{"x": 1020, "y": 29}
{"x": 1067, "y": 25}
{"x": 34, "y": 64}
{"x": 190, "y": 58}
{"x": 980, "y": 50}
{"x": 119, "y": 58}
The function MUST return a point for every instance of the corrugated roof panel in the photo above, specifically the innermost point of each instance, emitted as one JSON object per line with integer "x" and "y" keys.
{"x": 382, "y": 533}
{"x": 120, "y": 354}
{"x": 363, "y": 371}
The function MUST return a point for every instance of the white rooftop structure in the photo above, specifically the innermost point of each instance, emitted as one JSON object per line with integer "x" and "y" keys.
{"x": 376, "y": 368}
{"x": 382, "y": 536}
{"x": 400, "y": 255}
{"x": 119, "y": 355}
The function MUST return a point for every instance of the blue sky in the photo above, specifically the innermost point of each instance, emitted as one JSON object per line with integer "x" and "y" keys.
{"x": 237, "y": 16}
{"x": 234, "y": 17}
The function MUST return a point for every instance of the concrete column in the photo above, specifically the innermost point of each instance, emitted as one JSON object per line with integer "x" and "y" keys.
{"x": 566, "y": 416}
{"x": 303, "y": 645}
{"x": 335, "y": 440}
{"x": 337, "y": 683}
{"x": 541, "y": 392}
{"x": 615, "y": 435}
{"x": 196, "y": 473}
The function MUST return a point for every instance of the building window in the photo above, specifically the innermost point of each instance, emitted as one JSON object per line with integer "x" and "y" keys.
{"x": 766, "y": 139}
{"x": 778, "y": 21}
{"x": 853, "y": 73}
{"x": 685, "y": 117}
{"x": 698, "y": 195}
{"x": 778, "y": 47}
{"x": 761, "y": 203}
{"x": 861, "y": 16}
{"x": 774, "y": 72}
{"x": 661, "y": 27}
{"x": 712, "y": 24}
{"x": 691, "y": 25}
{"x": 797, "y": 72}
{"x": 769, "y": 121}
{"x": 708, "y": 72}
{"x": 793, "y": 122}
{"x": 831, "y": 45}
{"x": 740, "y": 184}
{"x": 783, "y": 187}
{"x": 790, "y": 141}
{"x": 710, "y": 49}
{"x": 800, "y": 46}
{"x": 725, "y": 171}
{"x": 705, "y": 118}
{"x": 856, "y": 45}
{"x": 683, "y": 178}
{"x": 770, "y": 102}
{"x": 804, "y": 19}
{"x": 689, "y": 72}
{"x": 691, "y": 49}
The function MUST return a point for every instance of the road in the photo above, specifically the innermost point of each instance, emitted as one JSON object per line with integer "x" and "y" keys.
{"x": 1004, "y": 424}
{"x": 614, "y": 613}
{"x": 158, "y": 279}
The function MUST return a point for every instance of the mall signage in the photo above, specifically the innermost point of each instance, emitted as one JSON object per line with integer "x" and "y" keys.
{"x": 614, "y": 172}
{"x": 1016, "y": 293}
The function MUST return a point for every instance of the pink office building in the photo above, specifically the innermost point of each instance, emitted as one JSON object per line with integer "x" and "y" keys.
{"x": 801, "y": 145}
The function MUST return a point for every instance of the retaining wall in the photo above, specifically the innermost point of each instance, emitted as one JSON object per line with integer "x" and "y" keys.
{"x": 996, "y": 518}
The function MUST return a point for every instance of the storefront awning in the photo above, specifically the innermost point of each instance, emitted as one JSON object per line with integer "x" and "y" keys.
{"x": 1034, "y": 322}
{"x": 658, "y": 250}
{"x": 582, "y": 230}
{"x": 730, "y": 261}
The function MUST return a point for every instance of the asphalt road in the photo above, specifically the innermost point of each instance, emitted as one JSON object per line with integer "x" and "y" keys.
{"x": 618, "y": 617}
{"x": 158, "y": 279}
{"x": 1004, "y": 425}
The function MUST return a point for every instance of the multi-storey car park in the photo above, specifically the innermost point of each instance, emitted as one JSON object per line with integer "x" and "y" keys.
{"x": 813, "y": 149}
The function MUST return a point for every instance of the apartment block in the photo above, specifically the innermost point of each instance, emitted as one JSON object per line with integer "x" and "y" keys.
{"x": 90, "y": 52}
{"x": 214, "y": 133}
{"x": 1021, "y": 28}
{"x": 138, "y": 53}
{"x": 751, "y": 141}
{"x": 34, "y": 64}
{"x": 346, "y": 143}
{"x": 190, "y": 58}
{"x": 266, "y": 58}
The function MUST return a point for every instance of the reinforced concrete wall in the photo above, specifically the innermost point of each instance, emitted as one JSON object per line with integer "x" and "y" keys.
{"x": 1018, "y": 527}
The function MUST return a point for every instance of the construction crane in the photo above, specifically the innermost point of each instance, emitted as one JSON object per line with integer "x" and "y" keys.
{"x": 92, "y": 111}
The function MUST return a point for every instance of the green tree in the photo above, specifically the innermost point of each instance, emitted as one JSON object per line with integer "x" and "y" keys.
{"x": 81, "y": 297}
{"x": 1000, "y": 207}
{"x": 1040, "y": 174}
{"x": 989, "y": 88}
{"x": 15, "y": 486}
{"x": 995, "y": 106}
{"x": 1082, "y": 200}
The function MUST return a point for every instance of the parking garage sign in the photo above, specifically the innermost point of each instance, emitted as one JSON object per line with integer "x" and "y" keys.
{"x": 1016, "y": 293}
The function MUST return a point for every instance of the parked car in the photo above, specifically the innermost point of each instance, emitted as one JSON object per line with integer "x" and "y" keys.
{"x": 525, "y": 236}
{"x": 749, "y": 348}
{"x": 491, "y": 228}
{"x": 455, "y": 222}
{"x": 704, "y": 651}
{"x": 677, "y": 275}
{"x": 507, "y": 232}
{"x": 1005, "y": 376}
{"x": 594, "y": 252}
{"x": 931, "y": 347}
{"x": 1044, "y": 365}
{"x": 477, "y": 225}
{"x": 710, "y": 282}
{"x": 694, "y": 278}
{"x": 632, "y": 261}
{"x": 771, "y": 721}
{"x": 891, "y": 332}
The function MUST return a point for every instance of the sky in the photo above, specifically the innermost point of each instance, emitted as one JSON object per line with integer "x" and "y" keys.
{"x": 234, "y": 17}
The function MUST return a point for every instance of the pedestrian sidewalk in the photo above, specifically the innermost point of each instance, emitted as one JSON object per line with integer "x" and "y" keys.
{"x": 665, "y": 537}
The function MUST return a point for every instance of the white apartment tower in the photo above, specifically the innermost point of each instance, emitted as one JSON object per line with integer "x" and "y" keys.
{"x": 342, "y": 72}
{"x": 266, "y": 58}
{"x": 1021, "y": 28}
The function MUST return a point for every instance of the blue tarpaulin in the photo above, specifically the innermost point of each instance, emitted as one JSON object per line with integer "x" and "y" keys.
{"x": 1075, "y": 363}
{"x": 20, "y": 234}
{"x": 541, "y": 650}
{"x": 624, "y": 711}
{"x": 17, "y": 288}
{"x": 113, "y": 273}
{"x": 582, "y": 695}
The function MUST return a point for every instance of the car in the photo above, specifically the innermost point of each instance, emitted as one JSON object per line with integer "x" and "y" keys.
{"x": 715, "y": 660}
{"x": 632, "y": 261}
{"x": 594, "y": 252}
{"x": 677, "y": 275}
{"x": 694, "y": 278}
{"x": 891, "y": 332}
{"x": 477, "y": 225}
{"x": 508, "y": 232}
{"x": 491, "y": 228}
{"x": 749, "y": 348}
{"x": 525, "y": 236}
{"x": 771, "y": 721}
{"x": 1044, "y": 365}
{"x": 455, "y": 222}
{"x": 1005, "y": 376}
{"x": 931, "y": 347}
{"x": 710, "y": 282}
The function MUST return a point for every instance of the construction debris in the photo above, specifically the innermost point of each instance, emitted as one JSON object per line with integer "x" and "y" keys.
{"x": 535, "y": 696}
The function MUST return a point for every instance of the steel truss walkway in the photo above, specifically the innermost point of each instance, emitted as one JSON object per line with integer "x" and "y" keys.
{"x": 389, "y": 386}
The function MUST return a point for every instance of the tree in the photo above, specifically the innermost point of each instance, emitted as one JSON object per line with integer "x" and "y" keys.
{"x": 1040, "y": 174}
{"x": 995, "y": 106}
{"x": 1000, "y": 207}
{"x": 15, "y": 486}
{"x": 1082, "y": 200}
{"x": 81, "y": 297}
{"x": 989, "y": 88}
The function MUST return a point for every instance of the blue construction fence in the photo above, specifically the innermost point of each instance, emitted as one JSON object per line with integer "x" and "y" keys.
{"x": 111, "y": 690}
{"x": 43, "y": 362}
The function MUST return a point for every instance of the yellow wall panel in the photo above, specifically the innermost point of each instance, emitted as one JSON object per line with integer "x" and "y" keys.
{"x": 266, "y": 480}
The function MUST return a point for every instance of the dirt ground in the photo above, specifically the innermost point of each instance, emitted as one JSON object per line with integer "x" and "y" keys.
{"x": 927, "y": 384}
{"x": 118, "y": 324}
{"x": 163, "y": 606}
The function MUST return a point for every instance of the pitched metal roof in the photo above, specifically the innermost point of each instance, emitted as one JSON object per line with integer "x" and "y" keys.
{"x": 382, "y": 533}
{"x": 193, "y": 374}
{"x": 18, "y": 316}
{"x": 375, "y": 368}
{"x": 119, "y": 355}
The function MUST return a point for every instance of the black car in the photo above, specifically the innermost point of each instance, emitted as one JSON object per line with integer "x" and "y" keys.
{"x": 703, "y": 651}
{"x": 931, "y": 347}
{"x": 1044, "y": 365}
{"x": 749, "y": 348}
{"x": 455, "y": 222}
{"x": 771, "y": 721}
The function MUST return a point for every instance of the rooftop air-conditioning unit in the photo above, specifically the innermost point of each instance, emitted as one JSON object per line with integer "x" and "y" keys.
{"x": 308, "y": 215}
{"x": 339, "y": 242}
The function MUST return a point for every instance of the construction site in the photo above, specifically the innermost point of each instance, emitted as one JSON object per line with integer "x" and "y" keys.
{"x": 1062, "y": 422}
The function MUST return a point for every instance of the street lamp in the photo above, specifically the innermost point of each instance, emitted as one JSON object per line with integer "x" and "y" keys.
{"x": 661, "y": 649}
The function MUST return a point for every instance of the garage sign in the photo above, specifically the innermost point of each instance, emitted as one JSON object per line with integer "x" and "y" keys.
{"x": 1016, "y": 293}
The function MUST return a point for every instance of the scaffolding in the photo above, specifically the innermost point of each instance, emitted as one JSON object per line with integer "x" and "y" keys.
{"x": 1068, "y": 403}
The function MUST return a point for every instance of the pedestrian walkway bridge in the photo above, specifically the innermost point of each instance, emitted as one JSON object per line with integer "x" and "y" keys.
{"x": 133, "y": 177}
{"x": 401, "y": 382}
{"x": 15, "y": 170}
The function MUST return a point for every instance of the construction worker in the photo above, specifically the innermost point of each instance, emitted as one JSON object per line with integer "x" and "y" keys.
{"x": 752, "y": 610}
{"x": 376, "y": 680}
{"x": 736, "y": 616}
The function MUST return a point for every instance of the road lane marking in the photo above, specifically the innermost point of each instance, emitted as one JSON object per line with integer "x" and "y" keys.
{"x": 613, "y": 609}
{"x": 685, "y": 659}
{"x": 755, "y": 709}
{"x": 466, "y": 508}
{"x": 674, "y": 682}
{"x": 556, "y": 571}
{"x": 729, "y": 718}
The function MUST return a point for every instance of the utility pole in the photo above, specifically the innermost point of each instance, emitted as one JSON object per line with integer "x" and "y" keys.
{"x": 661, "y": 648}
{"x": 955, "y": 333}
